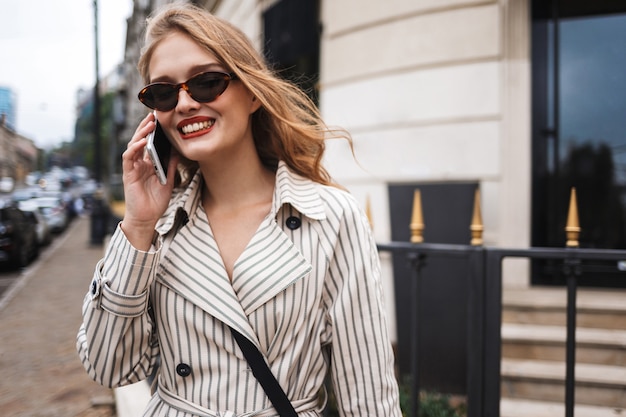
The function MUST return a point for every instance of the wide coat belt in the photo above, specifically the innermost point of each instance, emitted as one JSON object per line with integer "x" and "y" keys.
{"x": 305, "y": 405}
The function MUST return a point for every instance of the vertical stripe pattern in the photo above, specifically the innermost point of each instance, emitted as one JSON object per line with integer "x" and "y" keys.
{"x": 309, "y": 297}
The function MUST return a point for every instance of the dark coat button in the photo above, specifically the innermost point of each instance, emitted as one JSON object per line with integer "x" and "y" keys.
{"x": 94, "y": 288}
{"x": 183, "y": 370}
{"x": 293, "y": 222}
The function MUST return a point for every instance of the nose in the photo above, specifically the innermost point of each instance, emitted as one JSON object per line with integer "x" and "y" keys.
{"x": 185, "y": 101}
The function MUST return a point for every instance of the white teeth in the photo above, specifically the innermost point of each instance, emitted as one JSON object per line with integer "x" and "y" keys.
{"x": 194, "y": 127}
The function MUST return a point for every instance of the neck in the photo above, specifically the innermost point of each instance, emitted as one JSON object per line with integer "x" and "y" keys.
{"x": 236, "y": 184}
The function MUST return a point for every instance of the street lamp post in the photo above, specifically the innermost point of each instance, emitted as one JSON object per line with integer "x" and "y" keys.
{"x": 99, "y": 210}
{"x": 96, "y": 103}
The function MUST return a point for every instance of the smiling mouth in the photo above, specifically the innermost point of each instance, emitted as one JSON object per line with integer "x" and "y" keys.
{"x": 197, "y": 127}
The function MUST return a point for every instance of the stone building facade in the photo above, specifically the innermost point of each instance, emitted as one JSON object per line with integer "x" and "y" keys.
{"x": 18, "y": 154}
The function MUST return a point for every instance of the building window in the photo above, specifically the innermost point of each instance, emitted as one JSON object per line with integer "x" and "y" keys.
{"x": 292, "y": 42}
{"x": 579, "y": 129}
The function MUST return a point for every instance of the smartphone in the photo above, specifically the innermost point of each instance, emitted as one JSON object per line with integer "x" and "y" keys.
{"x": 159, "y": 149}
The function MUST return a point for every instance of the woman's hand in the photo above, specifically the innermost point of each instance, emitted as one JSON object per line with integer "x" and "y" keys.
{"x": 146, "y": 198}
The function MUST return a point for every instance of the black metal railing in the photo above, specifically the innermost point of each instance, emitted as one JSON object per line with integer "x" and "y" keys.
{"x": 484, "y": 314}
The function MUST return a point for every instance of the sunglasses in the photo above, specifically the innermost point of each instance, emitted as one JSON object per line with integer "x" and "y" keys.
{"x": 203, "y": 88}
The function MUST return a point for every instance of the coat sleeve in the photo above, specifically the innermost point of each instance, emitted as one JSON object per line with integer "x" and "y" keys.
{"x": 362, "y": 363}
{"x": 116, "y": 341}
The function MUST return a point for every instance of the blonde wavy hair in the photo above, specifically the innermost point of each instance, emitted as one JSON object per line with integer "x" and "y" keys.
{"x": 287, "y": 126}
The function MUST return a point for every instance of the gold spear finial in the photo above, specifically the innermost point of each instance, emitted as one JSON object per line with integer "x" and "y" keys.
{"x": 572, "y": 228}
{"x": 476, "y": 228}
{"x": 417, "y": 219}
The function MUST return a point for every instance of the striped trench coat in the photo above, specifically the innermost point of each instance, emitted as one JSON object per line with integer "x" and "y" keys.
{"x": 306, "y": 291}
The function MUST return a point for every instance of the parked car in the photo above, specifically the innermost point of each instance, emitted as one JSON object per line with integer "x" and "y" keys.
{"x": 44, "y": 232}
{"x": 54, "y": 210}
{"x": 27, "y": 193}
{"x": 18, "y": 237}
{"x": 32, "y": 178}
{"x": 6, "y": 184}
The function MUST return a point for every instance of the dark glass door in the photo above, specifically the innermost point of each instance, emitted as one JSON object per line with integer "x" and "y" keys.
{"x": 579, "y": 130}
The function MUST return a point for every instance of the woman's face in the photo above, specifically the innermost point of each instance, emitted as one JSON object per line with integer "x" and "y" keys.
{"x": 201, "y": 131}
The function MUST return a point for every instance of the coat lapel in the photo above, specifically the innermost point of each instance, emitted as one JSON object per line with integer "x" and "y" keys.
{"x": 269, "y": 264}
{"x": 193, "y": 268}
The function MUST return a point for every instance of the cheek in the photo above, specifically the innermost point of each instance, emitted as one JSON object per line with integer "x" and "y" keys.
{"x": 245, "y": 100}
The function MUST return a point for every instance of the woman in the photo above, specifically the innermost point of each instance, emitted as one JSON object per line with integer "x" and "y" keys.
{"x": 248, "y": 233}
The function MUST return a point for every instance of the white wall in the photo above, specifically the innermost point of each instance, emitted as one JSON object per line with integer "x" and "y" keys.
{"x": 246, "y": 15}
{"x": 419, "y": 86}
{"x": 431, "y": 90}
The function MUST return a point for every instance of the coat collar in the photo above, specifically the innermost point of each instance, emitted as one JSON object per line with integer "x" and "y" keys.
{"x": 183, "y": 201}
{"x": 269, "y": 264}
{"x": 301, "y": 193}
{"x": 290, "y": 188}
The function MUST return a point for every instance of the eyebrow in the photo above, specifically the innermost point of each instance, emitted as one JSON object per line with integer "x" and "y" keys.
{"x": 194, "y": 70}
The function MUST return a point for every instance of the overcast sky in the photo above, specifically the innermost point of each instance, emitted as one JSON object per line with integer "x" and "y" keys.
{"x": 47, "y": 53}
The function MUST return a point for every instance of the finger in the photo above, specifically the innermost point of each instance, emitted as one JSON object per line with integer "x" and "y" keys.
{"x": 135, "y": 150}
{"x": 145, "y": 127}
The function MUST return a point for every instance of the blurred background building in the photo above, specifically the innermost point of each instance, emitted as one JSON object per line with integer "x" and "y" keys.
{"x": 7, "y": 107}
{"x": 18, "y": 154}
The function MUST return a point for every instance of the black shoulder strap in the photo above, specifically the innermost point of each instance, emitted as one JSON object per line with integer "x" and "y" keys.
{"x": 264, "y": 375}
{"x": 257, "y": 363}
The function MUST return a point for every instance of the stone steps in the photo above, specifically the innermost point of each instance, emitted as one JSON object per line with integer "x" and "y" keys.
{"x": 547, "y": 306}
{"x": 601, "y": 385}
{"x": 522, "y": 408}
{"x": 594, "y": 346}
{"x": 533, "y": 353}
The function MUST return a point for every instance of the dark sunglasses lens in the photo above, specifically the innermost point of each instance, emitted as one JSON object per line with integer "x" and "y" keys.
{"x": 206, "y": 87}
{"x": 161, "y": 97}
{"x": 203, "y": 88}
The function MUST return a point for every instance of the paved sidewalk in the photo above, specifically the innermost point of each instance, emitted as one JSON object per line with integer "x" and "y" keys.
{"x": 41, "y": 375}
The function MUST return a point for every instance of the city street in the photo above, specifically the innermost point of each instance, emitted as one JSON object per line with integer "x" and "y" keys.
{"x": 40, "y": 312}
{"x": 8, "y": 276}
